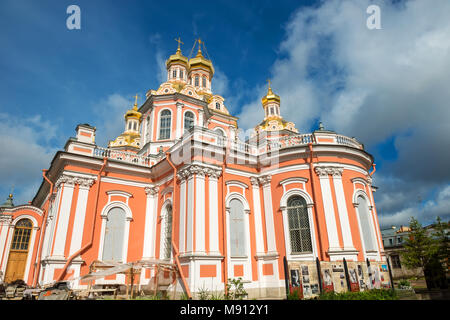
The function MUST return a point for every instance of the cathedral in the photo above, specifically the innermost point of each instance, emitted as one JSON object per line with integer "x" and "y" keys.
{"x": 282, "y": 210}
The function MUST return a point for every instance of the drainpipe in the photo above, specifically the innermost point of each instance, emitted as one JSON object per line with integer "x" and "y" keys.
{"x": 94, "y": 215}
{"x": 374, "y": 169}
{"x": 224, "y": 231}
{"x": 314, "y": 196}
{"x": 175, "y": 249}
{"x": 42, "y": 234}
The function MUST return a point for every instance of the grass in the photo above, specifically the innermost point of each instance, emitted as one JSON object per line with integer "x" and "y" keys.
{"x": 374, "y": 294}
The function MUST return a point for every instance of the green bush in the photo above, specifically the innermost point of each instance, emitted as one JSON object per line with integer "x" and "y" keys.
{"x": 374, "y": 294}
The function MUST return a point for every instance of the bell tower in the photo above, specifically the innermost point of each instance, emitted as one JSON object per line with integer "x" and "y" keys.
{"x": 177, "y": 66}
{"x": 201, "y": 70}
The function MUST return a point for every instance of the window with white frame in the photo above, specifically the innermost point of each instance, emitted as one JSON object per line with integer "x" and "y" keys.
{"x": 299, "y": 228}
{"x": 174, "y": 75}
{"x": 114, "y": 235}
{"x": 188, "y": 120}
{"x": 237, "y": 229}
{"x": 165, "y": 125}
{"x": 366, "y": 226}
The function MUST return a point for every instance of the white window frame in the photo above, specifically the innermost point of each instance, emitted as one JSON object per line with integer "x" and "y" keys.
{"x": 309, "y": 256}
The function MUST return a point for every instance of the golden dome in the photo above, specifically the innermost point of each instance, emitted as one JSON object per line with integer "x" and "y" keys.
{"x": 134, "y": 113}
{"x": 200, "y": 61}
{"x": 177, "y": 57}
{"x": 270, "y": 96}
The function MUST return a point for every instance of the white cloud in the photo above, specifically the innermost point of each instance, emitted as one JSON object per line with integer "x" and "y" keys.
{"x": 374, "y": 85}
{"x": 26, "y": 145}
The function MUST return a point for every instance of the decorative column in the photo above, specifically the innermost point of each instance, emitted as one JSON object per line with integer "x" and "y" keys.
{"x": 268, "y": 212}
{"x": 5, "y": 222}
{"x": 257, "y": 214}
{"x": 342, "y": 209}
{"x": 182, "y": 215}
{"x": 200, "y": 118}
{"x": 84, "y": 184}
{"x": 178, "y": 131}
{"x": 150, "y": 222}
{"x": 200, "y": 229}
{"x": 330, "y": 220}
{"x": 152, "y": 126}
{"x": 213, "y": 196}
{"x": 68, "y": 183}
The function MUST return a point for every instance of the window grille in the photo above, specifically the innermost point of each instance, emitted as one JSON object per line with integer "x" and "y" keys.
{"x": 299, "y": 229}
{"x": 188, "y": 120}
{"x": 165, "y": 124}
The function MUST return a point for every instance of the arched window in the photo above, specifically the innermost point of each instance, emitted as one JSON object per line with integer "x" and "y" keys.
{"x": 165, "y": 125}
{"x": 298, "y": 220}
{"x": 366, "y": 226}
{"x": 237, "y": 229}
{"x": 22, "y": 233}
{"x": 204, "y": 82}
{"x": 166, "y": 233}
{"x": 174, "y": 73}
{"x": 217, "y": 106}
{"x": 114, "y": 235}
{"x": 196, "y": 81}
{"x": 188, "y": 120}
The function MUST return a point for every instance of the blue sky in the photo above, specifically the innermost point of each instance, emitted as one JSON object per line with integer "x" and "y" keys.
{"x": 384, "y": 87}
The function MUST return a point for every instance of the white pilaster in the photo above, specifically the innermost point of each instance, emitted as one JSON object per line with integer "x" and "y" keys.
{"x": 80, "y": 214}
{"x": 200, "y": 229}
{"x": 150, "y": 223}
{"x": 178, "y": 131}
{"x": 330, "y": 220}
{"x": 213, "y": 212}
{"x": 257, "y": 214}
{"x": 268, "y": 212}
{"x": 190, "y": 214}
{"x": 63, "y": 216}
{"x": 182, "y": 217}
{"x": 5, "y": 221}
{"x": 342, "y": 209}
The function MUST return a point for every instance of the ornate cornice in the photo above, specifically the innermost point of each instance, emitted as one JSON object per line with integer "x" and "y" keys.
{"x": 5, "y": 218}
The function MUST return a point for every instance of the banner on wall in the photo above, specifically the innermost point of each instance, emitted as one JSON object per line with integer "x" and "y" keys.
{"x": 295, "y": 283}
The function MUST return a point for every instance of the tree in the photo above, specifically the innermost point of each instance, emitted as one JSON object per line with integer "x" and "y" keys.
{"x": 419, "y": 247}
{"x": 427, "y": 251}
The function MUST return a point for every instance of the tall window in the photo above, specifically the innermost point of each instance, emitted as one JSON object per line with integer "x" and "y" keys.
{"x": 165, "y": 124}
{"x": 181, "y": 73}
{"x": 299, "y": 229}
{"x": 196, "y": 81}
{"x": 114, "y": 235}
{"x": 22, "y": 233}
{"x": 366, "y": 226}
{"x": 174, "y": 73}
{"x": 237, "y": 229}
{"x": 204, "y": 82}
{"x": 217, "y": 106}
{"x": 166, "y": 234}
{"x": 188, "y": 120}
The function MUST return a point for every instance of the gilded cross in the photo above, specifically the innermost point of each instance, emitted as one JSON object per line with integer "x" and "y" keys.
{"x": 179, "y": 42}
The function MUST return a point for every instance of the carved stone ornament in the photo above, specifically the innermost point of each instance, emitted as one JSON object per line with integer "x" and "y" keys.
{"x": 72, "y": 181}
{"x": 263, "y": 180}
{"x": 199, "y": 171}
{"x": 254, "y": 181}
{"x": 325, "y": 171}
{"x": 152, "y": 190}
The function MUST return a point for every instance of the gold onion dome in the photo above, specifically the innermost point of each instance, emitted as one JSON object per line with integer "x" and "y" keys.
{"x": 270, "y": 96}
{"x": 133, "y": 113}
{"x": 177, "y": 57}
{"x": 200, "y": 61}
